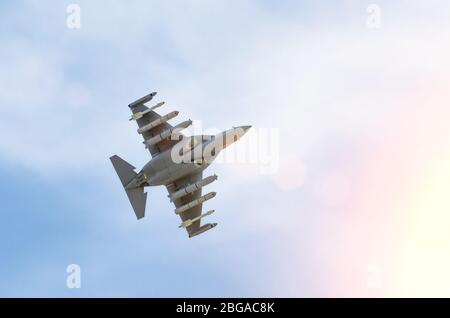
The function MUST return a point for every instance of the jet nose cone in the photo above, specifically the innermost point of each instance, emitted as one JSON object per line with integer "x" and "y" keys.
{"x": 245, "y": 128}
{"x": 232, "y": 135}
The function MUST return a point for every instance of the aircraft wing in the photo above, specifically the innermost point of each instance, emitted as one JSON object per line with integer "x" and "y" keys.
{"x": 195, "y": 212}
{"x": 147, "y": 119}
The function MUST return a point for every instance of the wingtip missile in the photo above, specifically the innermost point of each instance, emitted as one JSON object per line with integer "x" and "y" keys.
{"x": 142, "y": 100}
{"x": 203, "y": 229}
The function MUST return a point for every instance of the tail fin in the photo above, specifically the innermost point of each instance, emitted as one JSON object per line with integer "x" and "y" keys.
{"x": 126, "y": 174}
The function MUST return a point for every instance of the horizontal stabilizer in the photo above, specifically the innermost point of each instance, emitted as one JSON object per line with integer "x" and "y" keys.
{"x": 126, "y": 173}
{"x": 124, "y": 170}
{"x": 138, "y": 199}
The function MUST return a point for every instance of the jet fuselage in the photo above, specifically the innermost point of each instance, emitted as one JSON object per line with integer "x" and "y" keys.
{"x": 164, "y": 169}
{"x": 171, "y": 165}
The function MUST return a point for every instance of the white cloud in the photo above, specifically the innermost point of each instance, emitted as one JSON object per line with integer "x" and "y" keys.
{"x": 322, "y": 84}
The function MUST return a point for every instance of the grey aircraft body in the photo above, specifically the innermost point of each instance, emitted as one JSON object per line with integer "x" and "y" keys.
{"x": 177, "y": 162}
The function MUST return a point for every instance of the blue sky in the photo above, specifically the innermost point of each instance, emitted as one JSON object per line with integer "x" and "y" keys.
{"x": 313, "y": 71}
{"x": 65, "y": 94}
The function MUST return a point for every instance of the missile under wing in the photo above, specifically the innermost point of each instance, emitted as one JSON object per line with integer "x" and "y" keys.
{"x": 194, "y": 212}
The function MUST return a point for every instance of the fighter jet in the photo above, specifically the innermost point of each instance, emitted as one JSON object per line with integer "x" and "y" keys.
{"x": 178, "y": 162}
